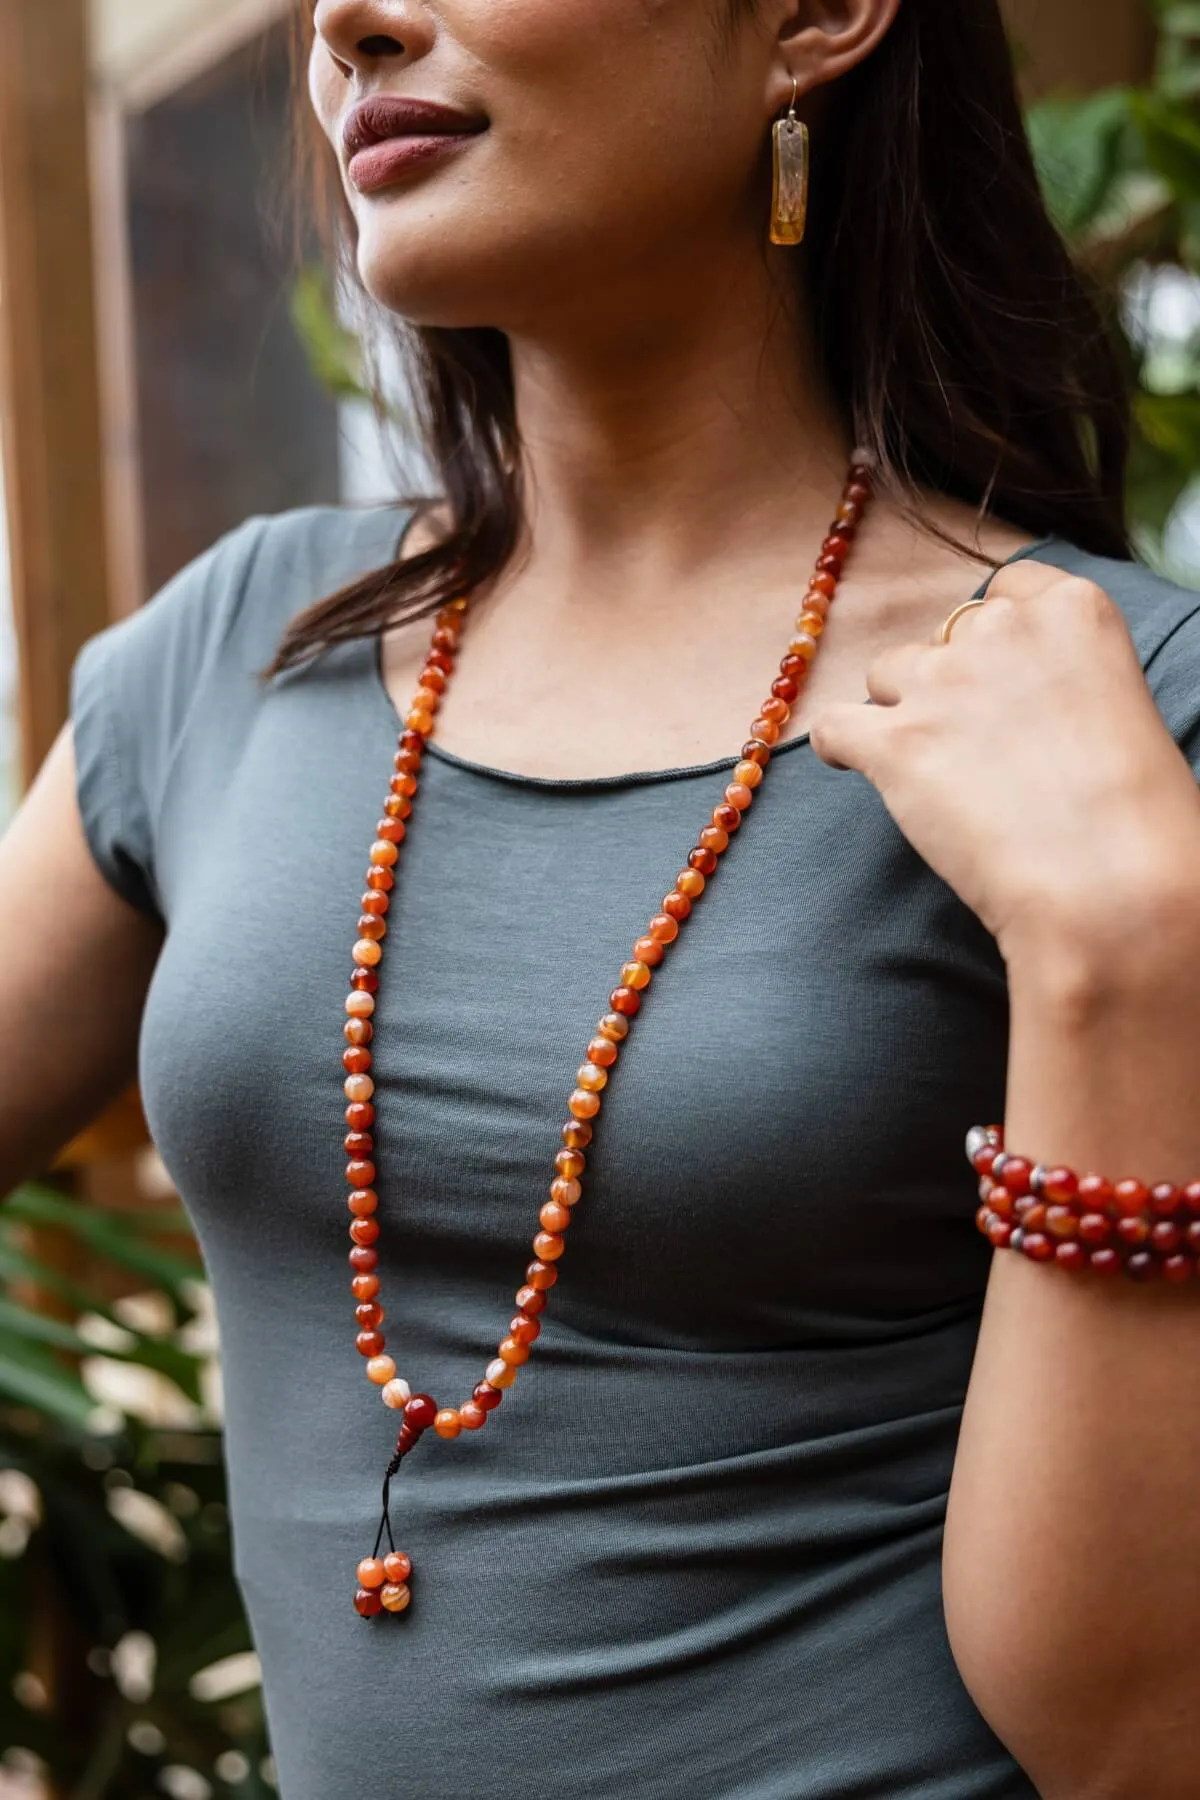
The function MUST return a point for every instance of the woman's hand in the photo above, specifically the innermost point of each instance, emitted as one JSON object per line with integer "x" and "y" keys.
{"x": 1027, "y": 763}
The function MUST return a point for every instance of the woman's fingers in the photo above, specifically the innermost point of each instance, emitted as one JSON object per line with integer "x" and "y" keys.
{"x": 846, "y": 735}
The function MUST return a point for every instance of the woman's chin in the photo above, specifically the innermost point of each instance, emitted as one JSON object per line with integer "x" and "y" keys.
{"x": 429, "y": 276}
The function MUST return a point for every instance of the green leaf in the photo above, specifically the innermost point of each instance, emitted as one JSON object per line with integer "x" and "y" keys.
{"x": 106, "y": 1234}
{"x": 1077, "y": 145}
{"x": 31, "y": 1376}
{"x": 334, "y": 353}
{"x": 1170, "y": 135}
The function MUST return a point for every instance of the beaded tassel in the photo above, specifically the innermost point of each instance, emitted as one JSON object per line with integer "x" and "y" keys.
{"x": 383, "y": 1581}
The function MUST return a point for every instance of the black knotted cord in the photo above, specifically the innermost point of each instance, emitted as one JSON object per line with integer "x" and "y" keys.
{"x": 385, "y": 1523}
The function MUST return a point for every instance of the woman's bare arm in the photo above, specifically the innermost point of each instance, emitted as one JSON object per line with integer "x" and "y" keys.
{"x": 75, "y": 964}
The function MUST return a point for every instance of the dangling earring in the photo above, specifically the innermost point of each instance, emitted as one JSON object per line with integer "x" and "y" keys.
{"x": 789, "y": 198}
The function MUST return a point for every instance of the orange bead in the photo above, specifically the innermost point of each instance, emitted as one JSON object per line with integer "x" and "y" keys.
{"x": 774, "y": 710}
{"x": 370, "y": 1343}
{"x": 825, "y": 583}
{"x": 358, "y": 1088}
{"x": 360, "y": 1174}
{"x": 540, "y": 1275}
{"x": 396, "y": 1394}
{"x": 383, "y": 854}
{"x": 419, "y": 721}
{"x": 727, "y": 817}
{"x": 565, "y": 1192}
{"x": 603, "y": 1051}
{"x": 364, "y": 1232}
{"x": 371, "y": 926}
{"x": 500, "y": 1374}
{"x": 577, "y": 1134}
{"x": 591, "y": 1077}
{"x": 813, "y": 603}
{"x": 472, "y": 1415}
{"x": 360, "y": 1005}
{"x": 738, "y": 795}
{"x": 583, "y": 1105}
{"x": 357, "y": 1061}
{"x": 555, "y": 1218}
{"x": 427, "y": 699}
{"x": 396, "y": 1597}
{"x": 447, "y": 1424}
{"x": 365, "y": 1287}
{"x": 649, "y": 951}
{"x": 363, "y": 1202}
{"x": 358, "y": 1031}
{"x": 663, "y": 927}
{"x": 690, "y": 882}
{"x": 613, "y": 1025}
{"x": 803, "y": 645}
{"x": 549, "y": 1246}
{"x": 397, "y": 1567}
{"x": 570, "y": 1164}
{"x": 524, "y": 1330}
{"x": 512, "y": 1353}
{"x": 812, "y": 622}
{"x": 748, "y": 774}
{"x": 714, "y": 838}
{"x": 371, "y": 1573}
{"x": 368, "y": 1314}
{"x": 367, "y": 954}
{"x": 635, "y": 974}
{"x": 381, "y": 1370}
{"x": 677, "y": 905}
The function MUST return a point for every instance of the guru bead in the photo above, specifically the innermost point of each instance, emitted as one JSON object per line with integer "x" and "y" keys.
{"x": 383, "y": 1586}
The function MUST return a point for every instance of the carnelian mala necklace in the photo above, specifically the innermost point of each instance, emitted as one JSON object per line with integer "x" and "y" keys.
{"x": 383, "y": 1582}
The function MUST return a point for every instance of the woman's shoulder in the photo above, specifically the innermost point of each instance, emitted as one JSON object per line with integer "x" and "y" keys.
{"x": 1164, "y": 622}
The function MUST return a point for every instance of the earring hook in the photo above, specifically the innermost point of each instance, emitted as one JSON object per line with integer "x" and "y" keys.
{"x": 792, "y": 107}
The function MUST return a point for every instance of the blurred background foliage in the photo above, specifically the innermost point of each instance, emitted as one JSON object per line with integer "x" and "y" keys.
{"x": 113, "y": 1522}
{"x": 112, "y": 1495}
{"x": 1121, "y": 173}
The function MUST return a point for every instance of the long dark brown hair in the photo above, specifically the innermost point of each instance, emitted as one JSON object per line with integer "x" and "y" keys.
{"x": 965, "y": 348}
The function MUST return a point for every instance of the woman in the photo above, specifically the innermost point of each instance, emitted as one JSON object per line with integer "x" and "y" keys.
{"x": 703, "y": 1547}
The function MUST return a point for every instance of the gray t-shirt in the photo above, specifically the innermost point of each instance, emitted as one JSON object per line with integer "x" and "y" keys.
{"x": 695, "y": 1556}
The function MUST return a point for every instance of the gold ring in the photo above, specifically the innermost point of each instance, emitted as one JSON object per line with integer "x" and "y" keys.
{"x": 948, "y": 624}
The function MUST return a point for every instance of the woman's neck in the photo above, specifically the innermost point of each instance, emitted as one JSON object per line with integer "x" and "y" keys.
{"x": 686, "y": 435}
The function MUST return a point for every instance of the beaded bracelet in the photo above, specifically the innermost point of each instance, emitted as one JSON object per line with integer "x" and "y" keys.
{"x": 1050, "y": 1214}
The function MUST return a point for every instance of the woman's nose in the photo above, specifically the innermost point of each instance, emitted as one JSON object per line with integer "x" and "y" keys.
{"x": 362, "y": 34}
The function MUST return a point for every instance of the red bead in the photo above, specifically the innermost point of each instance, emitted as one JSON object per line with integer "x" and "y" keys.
{"x": 368, "y": 1315}
{"x": 1061, "y": 1222}
{"x": 1191, "y": 1196}
{"x": 1141, "y": 1266}
{"x": 420, "y": 1412}
{"x": 356, "y": 1060}
{"x": 487, "y": 1396}
{"x": 676, "y": 905}
{"x": 785, "y": 688}
{"x": 1015, "y": 1173}
{"x": 363, "y": 1202}
{"x": 362, "y": 1260}
{"x": 1165, "y": 1199}
{"x": 1037, "y": 1247}
{"x": 365, "y": 1287}
{"x": 397, "y": 1567}
{"x": 626, "y": 1000}
{"x": 370, "y": 1343}
{"x": 530, "y": 1301}
{"x": 1094, "y": 1193}
{"x": 365, "y": 1231}
{"x": 1000, "y": 1201}
{"x": 367, "y": 1602}
{"x": 1105, "y": 1262}
{"x": 1178, "y": 1269}
{"x": 999, "y": 1232}
{"x": 358, "y": 1143}
{"x": 360, "y": 1174}
{"x": 1166, "y": 1238}
{"x": 1071, "y": 1257}
{"x": 1132, "y": 1197}
{"x": 704, "y": 860}
{"x": 1056, "y": 1184}
{"x": 727, "y": 817}
{"x": 524, "y": 1329}
{"x": 1094, "y": 1228}
{"x": 1133, "y": 1231}
{"x": 360, "y": 1116}
{"x": 541, "y": 1275}
{"x": 1192, "y": 1234}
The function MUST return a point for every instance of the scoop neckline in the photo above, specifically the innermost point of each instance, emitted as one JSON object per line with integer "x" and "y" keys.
{"x": 634, "y": 777}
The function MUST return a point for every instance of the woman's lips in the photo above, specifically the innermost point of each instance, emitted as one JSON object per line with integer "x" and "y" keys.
{"x": 382, "y": 165}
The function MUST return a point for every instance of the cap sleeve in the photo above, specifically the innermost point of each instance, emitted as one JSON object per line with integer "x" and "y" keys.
{"x": 130, "y": 694}
{"x": 1174, "y": 676}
